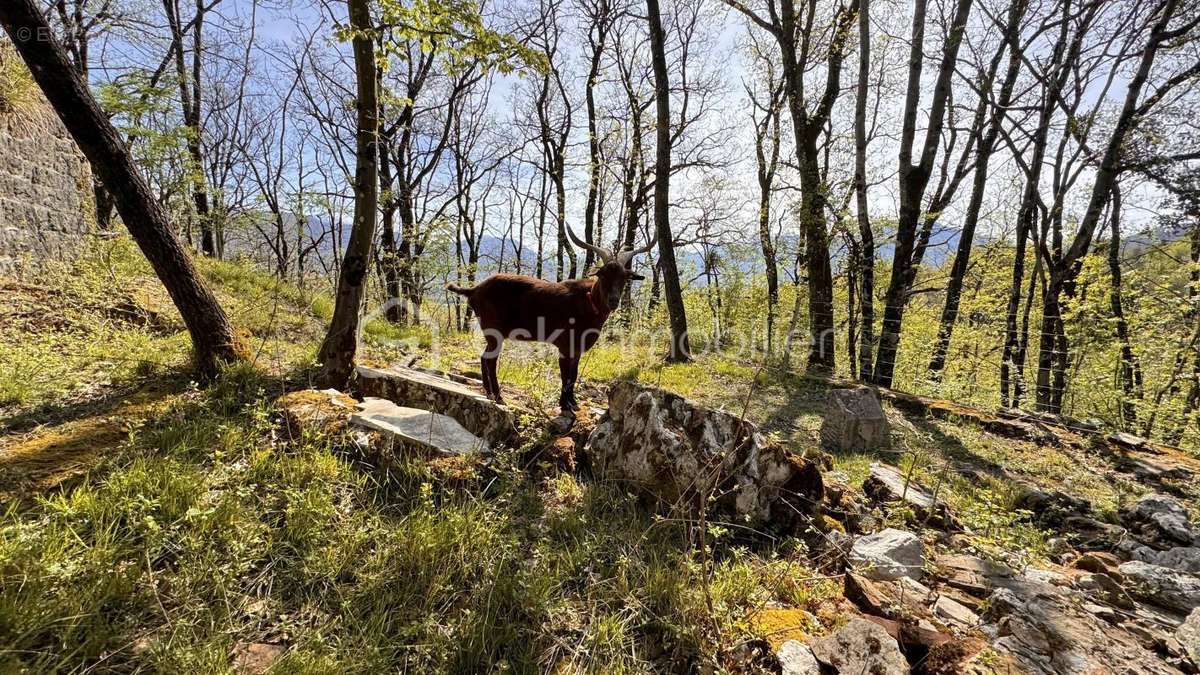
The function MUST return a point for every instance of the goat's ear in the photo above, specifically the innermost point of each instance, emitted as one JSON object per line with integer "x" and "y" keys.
{"x": 636, "y": 277}
{"x": 592, "y": 271}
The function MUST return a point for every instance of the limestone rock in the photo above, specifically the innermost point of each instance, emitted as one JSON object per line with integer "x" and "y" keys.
{"x": 1046, "y": 630}
{"x": 954, "y": 613}
{"x": 1182, "y": 558}
{"x": 1162, "y": 586}
{"x": 860, "y": 646}
{"x": 419, "y": 389}
{"x": 675, "y": 452}
{"x": 886, "y": 484}
{"x": 425, "y": 432}
{"x": 888, "y": 555}
{"x": 796, "y": 658}
{"x": 1188, "y": 635}
{"x": 1049, "y": 506}
{"x": 1098, "y": 562}
{"x": 1127, "y": 440}
{"x": 854, "y": 420}
{"x": 1105, "y": 588}
{"x": 1088, "y": 534}
{"x": 1160, "y": 521}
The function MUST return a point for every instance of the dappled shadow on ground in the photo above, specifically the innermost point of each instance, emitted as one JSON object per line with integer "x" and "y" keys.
{"x": 960, "y": 457}
{"x": 46, "y": 448}
{"x": 67, "y": 409}
{"x": 788, "y": 405}
{"x": 70, "y": 439}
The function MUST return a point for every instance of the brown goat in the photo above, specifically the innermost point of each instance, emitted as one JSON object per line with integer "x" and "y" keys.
{"x": 568, "y": 315}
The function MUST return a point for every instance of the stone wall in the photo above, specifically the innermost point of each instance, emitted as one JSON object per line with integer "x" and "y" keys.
{"x": 45, "y": 189}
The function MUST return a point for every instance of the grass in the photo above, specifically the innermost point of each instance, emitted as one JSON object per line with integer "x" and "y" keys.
{"x": 202, "y": 529}
{"x": 17, "y": 89}
{"x": 154, "y": 526}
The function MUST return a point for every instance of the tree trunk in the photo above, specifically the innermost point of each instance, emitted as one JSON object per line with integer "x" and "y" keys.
{"x": 1065, "y": 267}
{"x": 914, "y": 178}
{"x": 341, "y": 341}
{"x": 212, "y": 335}
{"x": 987, "y": 144}
{"x": 866, "y": 256}
{"x": 673, "y": 293}
{"x": 589, "y": 215}
{"x": 190, "y": 100}
{"x": 1129, "y": 374}
{"x": 772, "y": 266}
{"x": 1025, "y": 222}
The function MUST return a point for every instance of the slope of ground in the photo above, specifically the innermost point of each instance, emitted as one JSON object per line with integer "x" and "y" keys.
{"x": 154, "y": 526}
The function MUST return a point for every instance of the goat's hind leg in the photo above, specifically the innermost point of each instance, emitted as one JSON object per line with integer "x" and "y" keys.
{"x": 487, "y": 364}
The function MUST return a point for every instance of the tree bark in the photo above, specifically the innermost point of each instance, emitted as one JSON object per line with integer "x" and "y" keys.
{"x": 987, "y": 144}
{"x": 213, "y": 338}
{"x": 673, "y": 293}
{"x": 341, "y": 341}
{"x": 1130, "y": 373}
{"x": 914, "y": 178}
{"x": 866, "y": 244}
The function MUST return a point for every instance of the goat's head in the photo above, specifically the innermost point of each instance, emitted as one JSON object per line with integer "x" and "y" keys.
{"x": 615, "y": 269}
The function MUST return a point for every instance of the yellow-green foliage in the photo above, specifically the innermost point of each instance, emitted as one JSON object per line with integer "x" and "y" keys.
{"x": 17, "y": 89}
{"x": 104, "y": 319}
{"x": 205, "y": 528}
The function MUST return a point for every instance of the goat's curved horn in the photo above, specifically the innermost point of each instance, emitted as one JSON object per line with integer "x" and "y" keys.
{"x": 625, "y": 257}
{"x": 605, "y": 254}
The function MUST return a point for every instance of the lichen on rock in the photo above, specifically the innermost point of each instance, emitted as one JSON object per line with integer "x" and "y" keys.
{"x": 681, "y": 454}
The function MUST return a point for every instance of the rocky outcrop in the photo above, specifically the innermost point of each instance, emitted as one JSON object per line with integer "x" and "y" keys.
{"x": 420, "y": 389}
{"x": 1162, "y": 585}
{"x": 1160, "y": 521}
{"x": 1188, "y": 636}
{"x": 1047, "y": 631}
{"x": 678, "y": 454}
{"x": 421, "y": 431}
{"x": 854, "y": 420}
{"x": 1182, "y": 558}
{"x": 887, "y": 485}
{"x": 888, "y": 555}
{"x": 860, "y": 646}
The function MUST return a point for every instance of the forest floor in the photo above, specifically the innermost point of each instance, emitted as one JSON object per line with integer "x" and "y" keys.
{"x": 149, "y": 524}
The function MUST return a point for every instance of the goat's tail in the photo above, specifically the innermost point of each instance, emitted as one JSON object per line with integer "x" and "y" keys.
{"x": 455, "y": 288}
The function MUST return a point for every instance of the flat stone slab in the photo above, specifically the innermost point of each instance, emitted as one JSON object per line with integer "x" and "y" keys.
{"x": 422, "y": 390}
{"x": 416, "y": 429}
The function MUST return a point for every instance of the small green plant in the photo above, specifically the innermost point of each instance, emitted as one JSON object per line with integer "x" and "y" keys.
{"x": 17, "y": 88}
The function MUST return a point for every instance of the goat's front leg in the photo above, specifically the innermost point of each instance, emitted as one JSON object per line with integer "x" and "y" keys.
{"x": 487, "y": 365}
{"x": 568, "y": 370}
